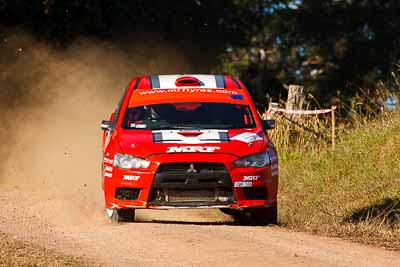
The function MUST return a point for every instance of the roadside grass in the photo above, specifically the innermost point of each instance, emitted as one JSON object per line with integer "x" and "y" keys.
{"x": 353, "y": 192}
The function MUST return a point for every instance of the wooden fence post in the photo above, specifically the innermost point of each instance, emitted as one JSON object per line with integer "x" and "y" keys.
{"x": 333, "y": 127}
{"x": 295, "y": 98}
{"x": 294, "y": 101}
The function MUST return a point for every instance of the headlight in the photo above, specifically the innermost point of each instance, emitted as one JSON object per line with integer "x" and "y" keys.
{"x": 130, "y": 162}
{"x": 256, "y": 160}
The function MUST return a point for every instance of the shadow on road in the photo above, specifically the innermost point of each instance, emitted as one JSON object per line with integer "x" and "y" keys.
{"x": 188, "y": 222}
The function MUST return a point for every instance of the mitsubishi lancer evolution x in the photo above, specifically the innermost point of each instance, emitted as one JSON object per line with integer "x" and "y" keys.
{"x": 189, "y": 141}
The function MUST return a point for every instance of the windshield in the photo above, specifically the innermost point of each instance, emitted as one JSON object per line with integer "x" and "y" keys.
{"x": 189, "y": 116}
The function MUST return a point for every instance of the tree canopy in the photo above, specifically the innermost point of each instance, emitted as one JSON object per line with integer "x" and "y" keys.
{"x": 326, "y": 45}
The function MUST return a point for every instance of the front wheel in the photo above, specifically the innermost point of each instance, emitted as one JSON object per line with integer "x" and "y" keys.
{"x": 264, "y": 216}
{"x": 121, "y": 215}
{"x": 257, "y": 216}
{"x": 228, "y": 211}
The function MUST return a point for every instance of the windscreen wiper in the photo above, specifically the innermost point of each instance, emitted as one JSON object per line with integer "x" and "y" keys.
{"x": 170, "y": 126}
{"x": 173, "y": 128}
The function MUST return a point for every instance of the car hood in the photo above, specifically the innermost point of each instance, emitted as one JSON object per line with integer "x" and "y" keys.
{"x": 238, "y": 142}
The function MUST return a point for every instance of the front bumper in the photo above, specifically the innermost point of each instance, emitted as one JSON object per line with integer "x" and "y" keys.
{"x": 220, "y": 187}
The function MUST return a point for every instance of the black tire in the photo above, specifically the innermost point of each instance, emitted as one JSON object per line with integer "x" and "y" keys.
{"x": 265, "y": 216}
{"x": 257, "y": 216}
{"x": 121, "y": 215}
{"x": 232, "y": 212}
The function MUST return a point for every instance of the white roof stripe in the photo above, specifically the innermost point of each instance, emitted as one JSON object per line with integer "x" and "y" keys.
{"x": 168, "y": 81}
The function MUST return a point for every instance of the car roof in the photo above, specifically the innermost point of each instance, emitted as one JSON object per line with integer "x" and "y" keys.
{"x": 155, "y": 89}
{"x": 187, "y": 80}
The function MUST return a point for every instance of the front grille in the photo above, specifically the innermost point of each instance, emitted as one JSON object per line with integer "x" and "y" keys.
{"x": 184, "y": 167}
{"x": 191, "y": 195}
{"x": 191, "y": 184}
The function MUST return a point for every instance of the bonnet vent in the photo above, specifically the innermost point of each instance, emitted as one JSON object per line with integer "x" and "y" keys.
{"x": 188, "y": 81}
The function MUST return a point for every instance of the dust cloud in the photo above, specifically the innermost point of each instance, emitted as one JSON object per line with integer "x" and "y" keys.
{"x": 52, "y": 102}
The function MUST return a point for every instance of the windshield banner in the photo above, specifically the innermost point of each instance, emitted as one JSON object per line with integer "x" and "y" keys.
{"x": 190, "y": 137}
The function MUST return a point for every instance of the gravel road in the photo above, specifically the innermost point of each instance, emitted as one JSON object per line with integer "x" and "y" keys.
{"x": 73, "y": 223}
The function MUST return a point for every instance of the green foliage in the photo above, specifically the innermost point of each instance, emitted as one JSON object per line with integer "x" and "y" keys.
{"x": 324, "y": 45}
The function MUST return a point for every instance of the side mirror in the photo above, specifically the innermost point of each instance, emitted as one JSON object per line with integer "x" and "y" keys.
{"x": 107, "y": 125}
{"x": 112, "y": 116}
{"x": 268, "y": 124}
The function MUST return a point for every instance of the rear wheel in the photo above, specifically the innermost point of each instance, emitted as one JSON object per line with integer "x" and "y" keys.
{"x": 121, "y": 215}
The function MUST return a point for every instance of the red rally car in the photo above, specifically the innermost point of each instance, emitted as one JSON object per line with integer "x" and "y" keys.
{"x": 189, "y": 141}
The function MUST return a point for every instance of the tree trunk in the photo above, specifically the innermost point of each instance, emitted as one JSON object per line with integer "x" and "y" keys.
{"x": 294, "y": 101}
{"x": 295, "y": 98}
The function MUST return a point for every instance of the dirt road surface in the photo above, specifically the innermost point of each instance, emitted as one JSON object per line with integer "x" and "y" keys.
{"x": 73, "y": 223}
